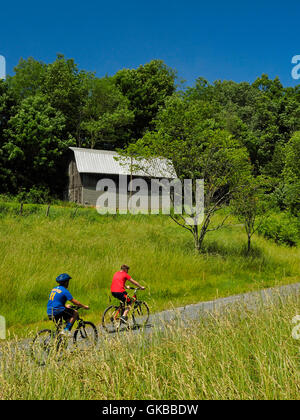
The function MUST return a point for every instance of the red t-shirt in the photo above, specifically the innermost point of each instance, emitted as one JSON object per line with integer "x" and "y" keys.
{"x": 118, "y": 281}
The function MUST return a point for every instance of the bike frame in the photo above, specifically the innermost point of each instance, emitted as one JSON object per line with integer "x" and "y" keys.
{"x": 133, "y": 299}
{"x": 59, "y": 325}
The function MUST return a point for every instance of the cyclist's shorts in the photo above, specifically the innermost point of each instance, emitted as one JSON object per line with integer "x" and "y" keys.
{"x": 122, "y": 296}
{"x": 65, "y": 315}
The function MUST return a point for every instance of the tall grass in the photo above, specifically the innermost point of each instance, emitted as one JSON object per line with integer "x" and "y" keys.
{"x": 34, "y": 249}
{"x": 241, "y": 355}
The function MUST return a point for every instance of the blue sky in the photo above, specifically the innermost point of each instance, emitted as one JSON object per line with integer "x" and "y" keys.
{"x": 230, "y": 40}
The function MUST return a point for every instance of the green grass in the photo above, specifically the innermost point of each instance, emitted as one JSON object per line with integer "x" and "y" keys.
{"x": 242, "y": 355}
{"x": 34, "y": 249}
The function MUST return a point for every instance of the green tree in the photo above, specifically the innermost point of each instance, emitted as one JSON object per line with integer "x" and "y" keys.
{"x": 105, "y": 115}
{"x": 34, "y": 145}
{"x": 7, "y": 110}
{"x": 262, "y": 115}
{"x": 146, "y": 88}
{"x": 291, "y": 173}
{"x": 67, "y": 90}
{"x": 28, "y": 79}
{"x": 188, "y": 134}
{"x": 250, "y": 206}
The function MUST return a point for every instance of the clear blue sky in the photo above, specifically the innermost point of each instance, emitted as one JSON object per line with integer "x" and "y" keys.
{"x": 232, "y": 40}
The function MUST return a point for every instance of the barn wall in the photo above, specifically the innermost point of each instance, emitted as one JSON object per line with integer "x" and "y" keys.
{"x": 90, "y": 195}
{"x": 75, "y": 183}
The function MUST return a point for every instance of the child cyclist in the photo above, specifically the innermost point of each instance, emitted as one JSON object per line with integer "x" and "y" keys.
{"x": 57, "y": 308}
{"x": 118, "y": 289}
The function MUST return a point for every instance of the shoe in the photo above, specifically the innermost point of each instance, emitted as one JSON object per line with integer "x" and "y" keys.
{"x": 66, "y": 333}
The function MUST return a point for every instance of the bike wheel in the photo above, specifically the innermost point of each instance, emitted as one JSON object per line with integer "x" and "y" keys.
{"x": 85, "y": 336}
{"x": 111, "y": 319}
{"x": 140, "y": 314}
{"x": 42, "y": 345}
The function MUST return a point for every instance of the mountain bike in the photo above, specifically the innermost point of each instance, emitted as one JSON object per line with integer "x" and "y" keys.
{"x": 139, "y": 312}
{"x": 52, "y": 341}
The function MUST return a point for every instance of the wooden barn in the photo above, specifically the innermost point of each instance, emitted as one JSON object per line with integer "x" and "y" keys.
{"x": 87, "y": 166}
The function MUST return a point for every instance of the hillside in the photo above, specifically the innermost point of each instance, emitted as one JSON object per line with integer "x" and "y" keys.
{"x": 34, "y": 249}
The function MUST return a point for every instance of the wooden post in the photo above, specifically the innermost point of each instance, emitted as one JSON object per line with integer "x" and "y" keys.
{"x": 74, "y": 214}
{"x": 21, "y": 209}
{"x": 48, "y": 209}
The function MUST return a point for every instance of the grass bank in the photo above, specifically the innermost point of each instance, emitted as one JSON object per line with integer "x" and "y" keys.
{"x": 241, "y": 355}
{"x": 34, "y": 249}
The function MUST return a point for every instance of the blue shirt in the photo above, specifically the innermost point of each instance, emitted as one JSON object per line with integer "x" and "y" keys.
{"x": 57, "y": 299}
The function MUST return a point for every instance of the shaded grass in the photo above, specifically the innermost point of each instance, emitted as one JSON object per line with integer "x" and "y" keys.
{"x": 35, "y": 249}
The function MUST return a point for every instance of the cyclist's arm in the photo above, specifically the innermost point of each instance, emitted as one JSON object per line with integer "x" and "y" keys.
{"x": 136, "y": 284}
{"x": 77, "y": 303}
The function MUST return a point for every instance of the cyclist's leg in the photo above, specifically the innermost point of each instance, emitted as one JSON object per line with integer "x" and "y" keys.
{"x": 57, "y": 320}
{"x": 129, "y": 304}
{"x": 70, "y": 316}
{"x": 124, "y": 299}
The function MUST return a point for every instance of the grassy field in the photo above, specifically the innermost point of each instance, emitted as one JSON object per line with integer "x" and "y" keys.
{"x": 242, "y": 355}
{"x": 34, "y": 249}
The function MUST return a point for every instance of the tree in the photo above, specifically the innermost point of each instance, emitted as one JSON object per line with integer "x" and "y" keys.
{"x": 34, "y": 144}
{"x": 7, "y": 110}
{"x": 67, "y": 90}
{"x": 189, "y": 135}
{"x": 105, "y": 115}
{"x": 146, "y": 88}
{"x": 28, "y": 79}
{"x": 291, "y": 173}
{"x": 250, "y": 207}
{"x": 262, "y": 115}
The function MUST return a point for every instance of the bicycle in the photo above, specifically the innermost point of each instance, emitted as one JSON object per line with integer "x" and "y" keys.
{"x": 140, "y": 315}
{"x": 52, "y": 341}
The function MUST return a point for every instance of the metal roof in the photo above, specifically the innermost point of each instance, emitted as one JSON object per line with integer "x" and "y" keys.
{"x": 94, "y": 161}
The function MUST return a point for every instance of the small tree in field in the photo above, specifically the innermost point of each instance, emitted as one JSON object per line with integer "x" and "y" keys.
{"x": 222, "y": 165}
{"x": 189, "y": 135}
{"x": 249, "y": 206}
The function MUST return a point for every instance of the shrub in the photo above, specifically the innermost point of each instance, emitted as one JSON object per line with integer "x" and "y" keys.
{"x": 7, "y": 198}
{"x": 282, "y": 227}
{"x": 36, "y": 195}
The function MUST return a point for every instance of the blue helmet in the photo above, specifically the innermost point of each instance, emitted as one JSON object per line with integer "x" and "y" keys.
{"x": 63, "y": 277}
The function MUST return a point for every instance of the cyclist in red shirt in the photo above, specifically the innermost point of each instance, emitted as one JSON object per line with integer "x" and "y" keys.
{"x": 118, "y": 289}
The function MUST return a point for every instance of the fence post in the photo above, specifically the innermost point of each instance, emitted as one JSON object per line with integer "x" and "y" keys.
{"x": 48, "y": 210}
{"x": 21, "y": 209}
{"x": 74, "y": 214}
